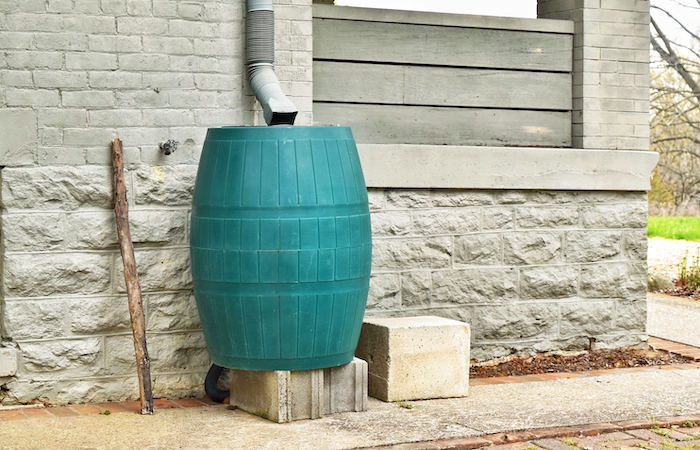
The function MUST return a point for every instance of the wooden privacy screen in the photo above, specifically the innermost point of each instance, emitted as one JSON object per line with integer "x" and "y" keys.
{"x": 418, "y": 83}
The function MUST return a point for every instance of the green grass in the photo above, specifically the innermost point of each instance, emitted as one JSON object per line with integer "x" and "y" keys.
{"x": 685, "y": 228}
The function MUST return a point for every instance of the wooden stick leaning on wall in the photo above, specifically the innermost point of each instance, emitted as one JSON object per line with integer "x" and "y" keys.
{"x": 133, "y": 288}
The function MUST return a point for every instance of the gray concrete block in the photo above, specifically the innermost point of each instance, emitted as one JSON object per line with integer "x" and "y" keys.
{"x": 547, "y": 217}
{"x": 34, "y": 320}
{"x": 345, "y": 387}
{"x": 548, "y": 282}
{"x": 412, "y": 253}
{"x": 532, "y": 247}
{"x": 527, "y": 321}
{"x": 590, "y": 246}
{"x": 474, "y": 285}
{"x": 46, "y": 274}
{"x": 57, "y": 187}
{"x": 284, "y": 396}
{"x": 478, "y": 249}
{"x": 64, "y": 358}
{"x": 415, "y": 358}
{"x": 384, "y": 291}
{"x": 613, "y": 280}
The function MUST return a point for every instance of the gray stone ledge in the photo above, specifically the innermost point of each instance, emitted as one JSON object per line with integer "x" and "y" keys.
{"x": 468, "y": 167}
{"x": 449, "y": 20}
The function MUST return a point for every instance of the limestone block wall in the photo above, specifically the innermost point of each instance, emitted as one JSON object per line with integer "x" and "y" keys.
{"x": 73, "y": 76}
{"x": 65, "y": 307}
{"x": 529, "y": 270}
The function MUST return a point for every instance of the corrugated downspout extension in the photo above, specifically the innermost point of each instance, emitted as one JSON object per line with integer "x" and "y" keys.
{"x": 260, "y": 43}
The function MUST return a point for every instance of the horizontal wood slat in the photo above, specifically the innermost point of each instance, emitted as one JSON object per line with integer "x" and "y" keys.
{"x": 398, "y": 124}
{"x": 440, "y": 86}
{"x": 349, "y": 40}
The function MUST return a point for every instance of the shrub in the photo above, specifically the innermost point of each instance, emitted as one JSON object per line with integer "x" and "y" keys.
{"x": 689, "y": 274}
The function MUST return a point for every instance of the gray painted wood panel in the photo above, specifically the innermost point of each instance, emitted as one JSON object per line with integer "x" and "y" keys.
{"x": 348, "y": 40}
{"x": 396, "y": 124}
{"x": 440, "y": 86}
{"x": 358, "y": 83}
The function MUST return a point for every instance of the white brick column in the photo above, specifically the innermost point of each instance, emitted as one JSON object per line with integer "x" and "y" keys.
{"x": 611, "y": 71}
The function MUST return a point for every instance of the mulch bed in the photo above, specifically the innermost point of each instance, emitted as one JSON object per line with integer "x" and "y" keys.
{"x": 575, "y": 362}
{"x": 683, "y": 291}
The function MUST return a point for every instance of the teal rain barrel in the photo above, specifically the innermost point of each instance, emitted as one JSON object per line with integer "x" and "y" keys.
{"x": 281, "y": 247}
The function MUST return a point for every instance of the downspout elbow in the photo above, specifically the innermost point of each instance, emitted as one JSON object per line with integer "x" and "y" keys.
{"x": 277, "y": 108}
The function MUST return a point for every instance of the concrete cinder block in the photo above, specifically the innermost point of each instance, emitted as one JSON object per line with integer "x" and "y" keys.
{"x": 345, "y": 388}
{"x": 415, "y": 358}
{"x": 283, "y": 396}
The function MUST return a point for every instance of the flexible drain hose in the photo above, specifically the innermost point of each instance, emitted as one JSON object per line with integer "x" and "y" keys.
{"x": 260, "y": 55}
{"x": 210, "y": 386}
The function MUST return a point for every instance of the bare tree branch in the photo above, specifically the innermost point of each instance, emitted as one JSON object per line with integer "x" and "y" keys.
{"x": 669, "y": 55}
{"x": 675, "y": 106}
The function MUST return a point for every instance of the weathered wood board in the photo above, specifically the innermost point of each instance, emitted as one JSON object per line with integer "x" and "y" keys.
{"x": 400, "y": 124}
{"x": 443, "y": 82}
{"x": 348, "y": 40}
{"x": 441, "y": 86}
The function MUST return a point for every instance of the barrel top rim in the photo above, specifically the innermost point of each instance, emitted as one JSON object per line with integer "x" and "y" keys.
{"x": 280, "y": 132}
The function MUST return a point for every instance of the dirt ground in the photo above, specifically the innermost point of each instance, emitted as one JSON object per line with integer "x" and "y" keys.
{"x": 575, "y": 362}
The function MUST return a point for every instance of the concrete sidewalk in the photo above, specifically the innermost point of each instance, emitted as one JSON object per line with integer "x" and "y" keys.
{"x": 674, "y": 318}
{"x": 639, "y": 396}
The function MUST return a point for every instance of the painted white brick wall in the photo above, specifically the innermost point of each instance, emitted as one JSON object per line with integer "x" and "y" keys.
{"x": 611, "y": 71}
{"x": 177, "y": 64}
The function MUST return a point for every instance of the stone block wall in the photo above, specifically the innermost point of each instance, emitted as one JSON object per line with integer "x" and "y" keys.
{"x": 65, "y": 307}
{"x": 529, "y": 270}
{"x": 73, "y": 76}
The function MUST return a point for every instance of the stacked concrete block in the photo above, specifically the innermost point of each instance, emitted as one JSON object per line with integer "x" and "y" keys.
{"x": 285, "y": 396}
{"x": 528, "y": 270}
{"x": 611, "y": 71}
{"x": 415, "y": 358}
